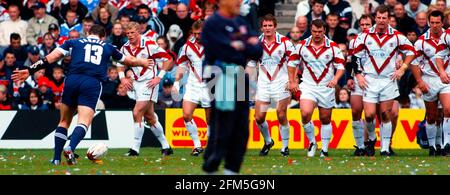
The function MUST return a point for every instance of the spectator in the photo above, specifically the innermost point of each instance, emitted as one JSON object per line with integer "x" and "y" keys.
{"x": 45, "y": 91}
{"x": 413, "y": 7}
{"x": 27, "y": 10}
{"x": 13, "y": 25}
{"x": 5, "y": 101}
{"x": 38, "y": 25}
{"x": 10, "y": 63}
{"x": 422, "y": 24}
{"x": 4, "y": 76}
{"x": 317, "y": 11}
{"x": 343, "y": 98}
{"x": 404, "y": 22}
{"x": 120, "y": 100}
{"x": 34, "y": 102}
{"x": 19, "y": 51}
{"x": 303, "y": 7}
{"x": 110, "y": 85}
{"x": 168, "y": 15}
{"x": 104, "y": 3}
{"x": 184, "y": 19}
{"x": 153, "y": 22}
{"x": 87, "y": 24}
{"x": 342, "y": 8}
{"x": 209, "y": 9}
{"x": 392, "y": 21}
{"x": 163, "y": 42}
{"x": 412, "y": 35}
{"x": 441, "y": 5}
{"x": 351, "y": 34}
{"x": 302, "y": 24}
{"x": 54, "y": 9}
{"x": 33, "y": 55}
{"x": 117, "y": 37}
{"x": 131, "y": 9}
{"x": 266, "y": 7}
{"x": 71, "y": 23}
{"x": 165, "y": 99}
{"x": 33, "y": 80}
{"x": 73, "y": 34}
{"x": 145, "y": 29}
{"x": 57, "y": 81}
{"x": 360, "y": 7}
{"x": 124, "y": 20}
{"x": 335, "y": 32}
{"x": 391, "y": 4}
{"x": 48, "y": 45}
{"x": 175, "y": 37}
{"x": 75, "y": 6}
{"x": 104, "y": 20}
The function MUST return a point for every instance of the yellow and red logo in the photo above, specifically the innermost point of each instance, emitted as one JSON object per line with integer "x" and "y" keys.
{"x": 176, "y": 133}
{"x": 341, "y": 122}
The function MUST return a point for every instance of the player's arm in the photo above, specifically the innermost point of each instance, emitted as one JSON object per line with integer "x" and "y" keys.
{"x": 293, "y": 63}
{"x": 182, "y": 63}
{"x": 441, "y": 55}
{"x": 406, "y": 48}
{"x": 338, "y": 62}
{"x": 22, "y": 75}
{"x": 161, "y": 55}
{"x": 415, "y": 70}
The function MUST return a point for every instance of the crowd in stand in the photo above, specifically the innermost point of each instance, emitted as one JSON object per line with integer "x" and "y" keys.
{"x": 30, "y": 29}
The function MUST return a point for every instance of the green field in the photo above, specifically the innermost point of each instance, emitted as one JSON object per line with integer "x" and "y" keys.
{"x": 150, "y": 162}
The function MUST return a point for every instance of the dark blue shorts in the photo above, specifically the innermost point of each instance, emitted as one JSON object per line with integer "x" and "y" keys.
{"x": 81, "y": 90}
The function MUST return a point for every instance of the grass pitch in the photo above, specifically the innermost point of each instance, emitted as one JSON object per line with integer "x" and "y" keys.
{"x": 150, "y": 162}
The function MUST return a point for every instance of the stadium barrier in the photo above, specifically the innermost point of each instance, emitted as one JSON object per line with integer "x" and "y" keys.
{"x": 34, "y": 129}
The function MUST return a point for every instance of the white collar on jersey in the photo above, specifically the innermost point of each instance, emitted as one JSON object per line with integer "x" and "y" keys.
{"x": 308, "y": 41}
{"x": 93, "y": 36}
{"x": 278, "y": 37}
{"x": 427, "y": 35}
{"x": 141, "y": 44}
{"x": 390, "y": 29}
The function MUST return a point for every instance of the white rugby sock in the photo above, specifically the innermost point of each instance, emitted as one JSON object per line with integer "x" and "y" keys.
{"x": 138, "y": 134}
{"x": 431, "y": 134}
{"x": 325, "y": 133}
{"x": 158, "y": 131}
{"x": 446, "y": 130}
{"x": 193, "y": 132}
{"x": 284, "y": 132}
{"x": 386, "y": 132}
{"x": 309, "y": 130}
{"x": 358, "y": 133}
{"x": 371, "y": 130}
{"x": 439, "y": 134}
{"x": 264, "y": 129}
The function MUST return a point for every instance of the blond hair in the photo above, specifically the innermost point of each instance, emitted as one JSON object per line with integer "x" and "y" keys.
{"x": 131, "y": 25}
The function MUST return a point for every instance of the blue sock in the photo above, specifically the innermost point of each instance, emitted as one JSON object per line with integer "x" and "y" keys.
{"x": 78, "y": 134}
{"x": 60, "y": 140}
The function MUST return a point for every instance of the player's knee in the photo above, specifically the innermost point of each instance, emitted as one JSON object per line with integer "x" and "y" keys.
{"x": 151, "y": 120}
{"x": 325, "y": 120}
{"x": 259, "y": 120}
{"x": 432, "y": 116}
{"x": 187, "y": 117}
{"x": 281, "y": 116}
{"x": 385, "y": 116}
{"x": 446, "y": 112}
{"x": 356, "y": 115}
{"x": 306, "y": 118}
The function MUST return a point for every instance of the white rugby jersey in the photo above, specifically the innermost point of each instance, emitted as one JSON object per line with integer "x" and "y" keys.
{"x": 147, "y": 49}
{"x": 444, "y": 41}
{"x": 379, "y": 54}
{"x": 151, "y": 35}
{"x": 427, "y": 48}
{"x": 273, "y": 63}
{"x": 191, "y": 57}
{"x": 318, "y": 65}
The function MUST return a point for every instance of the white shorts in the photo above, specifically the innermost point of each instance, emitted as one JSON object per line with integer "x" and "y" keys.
{"x": 198, "y": 95}
{"x": 380, "y": 89}
{"x": 273, "y": 90}
{"x": 435, "y": 88}
{"x": 143, "y": 93}
{"x": 324, "y": 96}
{"x": 357, "y": 90}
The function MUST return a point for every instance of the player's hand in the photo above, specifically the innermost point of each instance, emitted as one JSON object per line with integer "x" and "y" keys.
{"x": 397, "y": 74}
{"x": 292, "y": 87}
{"x": 332, "y": 83}
{"x": 445, "y": 78}
{"x": 253, "y": 41}
{"x": 423, "y": 86}
{"x": 153, "y": 82}
{"x": 237, "y": 45}
{"x": 20, "y": 75}
{"x": 128, "y": 83}
{"x": 351, "y": 84}
{"x": 362, "y": 82}
{"x": 146, "y": 62}
{"x": 176, "y": 88}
